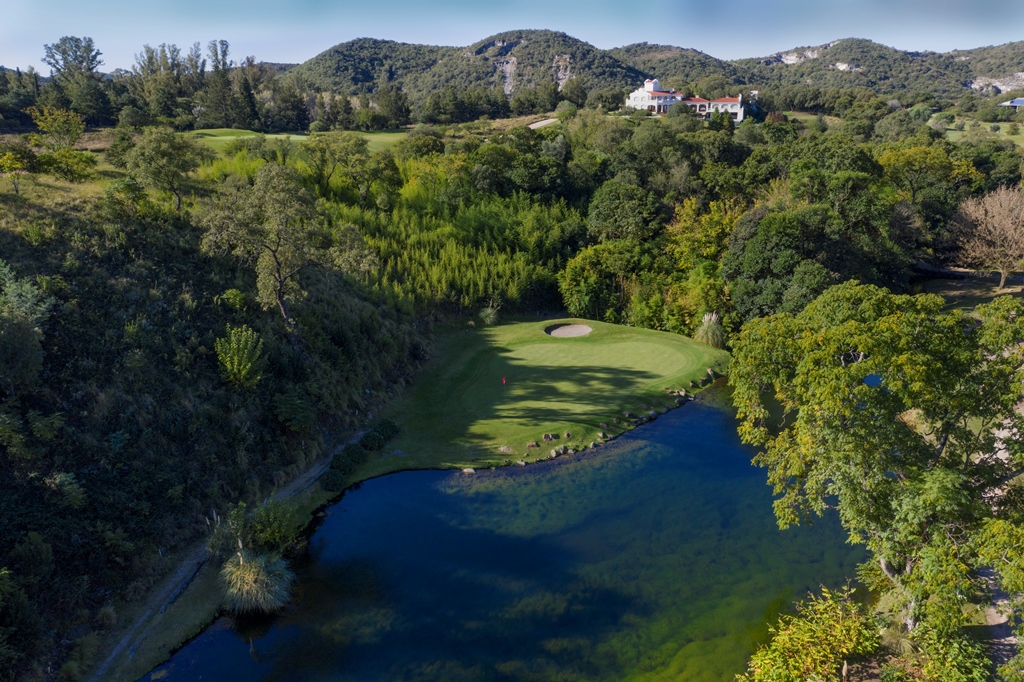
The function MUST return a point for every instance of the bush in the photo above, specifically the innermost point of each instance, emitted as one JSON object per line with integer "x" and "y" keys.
{"x": 815, "y": 642}
{"x": 332, "y": 481}
{"x": 372, "y": 441}
{"x": 350, "y": 457}
{"x": 355, "y": 453}
{"x": 710, "y": 331}
{"x": 994, "y": 127}
{"x": 241, "y": 356}
{"x": 256, "y": 583}
{"x": 388, "y": 429}
{"x": 234, "y": 299}
{"x": 294, "y": 410}
{"x": 342, "y": 463}
{"x": 69, "y": 165}
{"x": 489, "y": 315}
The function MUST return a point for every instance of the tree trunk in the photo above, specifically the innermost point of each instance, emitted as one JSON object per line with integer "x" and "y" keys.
{"x": 289, "y": 323}
{"x": 177, "y": 202}
{"x": 1002, "y": 278}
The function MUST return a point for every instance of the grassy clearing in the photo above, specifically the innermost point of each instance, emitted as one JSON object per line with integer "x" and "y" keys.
{"x": 954, "y": 135}
{"x": 218, "y": 138}
{"x": 806, "y": 117}
{"x": 460, "y": 414}
{"x": 967, "y": 294}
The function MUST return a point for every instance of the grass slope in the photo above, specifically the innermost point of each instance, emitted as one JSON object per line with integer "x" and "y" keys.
{"x": 459, "y": 414}
{"x": 218, "y": 138}
{"x": 968, "y": 293}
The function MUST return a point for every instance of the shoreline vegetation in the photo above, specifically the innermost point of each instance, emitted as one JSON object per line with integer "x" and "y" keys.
{"x": 198, "y": 600}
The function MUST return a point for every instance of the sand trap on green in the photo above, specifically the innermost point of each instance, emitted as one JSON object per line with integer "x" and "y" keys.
{"x": 487, "y": 393}
{"x": 568, "y": 331}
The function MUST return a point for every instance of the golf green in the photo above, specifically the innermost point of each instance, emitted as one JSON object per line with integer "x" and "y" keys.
{"x": 490, "y": 392}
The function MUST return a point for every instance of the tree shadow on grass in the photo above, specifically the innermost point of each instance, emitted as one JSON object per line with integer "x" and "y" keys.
{"x": 534, "y": 394}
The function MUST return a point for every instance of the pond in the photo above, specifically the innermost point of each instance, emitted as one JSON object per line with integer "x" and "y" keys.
{"x": 655, "y": 557}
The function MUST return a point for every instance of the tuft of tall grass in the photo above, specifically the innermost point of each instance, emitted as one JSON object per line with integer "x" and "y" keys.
{"x": 256, "y": 583}
{"x": 710, "y": 331}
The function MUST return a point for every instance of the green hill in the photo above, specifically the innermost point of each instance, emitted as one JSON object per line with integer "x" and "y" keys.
{"x": 510, "y": 60}
{"x": 853, "y": 62}
{"x": 357, "y": 66}
{"x": 525, "y": 58}
{"x": 667, "y": 61}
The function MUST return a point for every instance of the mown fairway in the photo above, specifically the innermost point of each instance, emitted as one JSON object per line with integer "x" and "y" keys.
{"x": 459, "y": 413}
{"x": 218, "y": 138}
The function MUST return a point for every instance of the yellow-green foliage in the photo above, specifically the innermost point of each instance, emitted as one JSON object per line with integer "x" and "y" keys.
{"x": 241, "y": 356}
{"x": 695, "y": 236}
{"x": 241, "y": 164}
{"x": 813, "y": 644}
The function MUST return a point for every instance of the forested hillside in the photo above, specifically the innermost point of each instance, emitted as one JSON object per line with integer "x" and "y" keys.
{"x": 510, "y": 61}
{"x": 861, "y": 63}
{"x": 356, "y": 67}
{"x": 669, "y": 61}
{"x": 518, "y": 60}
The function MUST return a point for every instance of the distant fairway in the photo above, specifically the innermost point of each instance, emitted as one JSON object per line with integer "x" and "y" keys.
{"x": 218, "y": 138}
{"x": 458, "y": 413}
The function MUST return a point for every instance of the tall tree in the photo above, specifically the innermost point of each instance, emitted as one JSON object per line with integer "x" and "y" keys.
{"x": 74, "y": 63}
{"x": 162, "y": 159}
{"x": 216, "y": 96}
{"x": 993, "y": 232}
{"x": 394, "y": 105}
{"x": 901, "y": 416}
{"x": 325, "y": 152}
{"x": 272, "y": 226}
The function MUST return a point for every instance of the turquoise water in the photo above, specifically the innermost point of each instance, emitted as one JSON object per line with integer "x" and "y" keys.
{"x": 654, "y": 558}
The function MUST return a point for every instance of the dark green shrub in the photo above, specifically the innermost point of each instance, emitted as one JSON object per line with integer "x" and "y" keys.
{"x": 332, "y": 480}
{"x": 372, "y": 441}
{"x": 342, "y": 463}
{"x": 294, "y": 409}
{"x": 355, "y": 454}
{"x": 388, "y": 429}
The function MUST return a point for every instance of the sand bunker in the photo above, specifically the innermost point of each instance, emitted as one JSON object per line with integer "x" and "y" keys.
{"x": 563, "y": 331}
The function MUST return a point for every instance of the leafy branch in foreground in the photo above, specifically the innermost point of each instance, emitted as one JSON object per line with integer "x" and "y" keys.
{"x": 815, "y": 643}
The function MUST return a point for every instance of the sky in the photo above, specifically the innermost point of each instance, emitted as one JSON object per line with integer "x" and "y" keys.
{"x": 294, "y": 31}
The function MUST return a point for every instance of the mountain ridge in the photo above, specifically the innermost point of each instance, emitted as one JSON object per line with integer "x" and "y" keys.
{"x": 524, "y": 58}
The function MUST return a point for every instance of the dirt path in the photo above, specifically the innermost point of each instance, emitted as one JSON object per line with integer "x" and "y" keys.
{"x": 545, "y": 122}
{"x": 1002, "y": 642}
{"x": 192, "y": 561}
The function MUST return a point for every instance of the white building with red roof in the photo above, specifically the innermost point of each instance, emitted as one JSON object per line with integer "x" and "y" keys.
{"x": 657, "y": 101}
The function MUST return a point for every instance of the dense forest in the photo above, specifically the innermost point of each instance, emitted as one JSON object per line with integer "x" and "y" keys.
{"x": 183, "y": 331}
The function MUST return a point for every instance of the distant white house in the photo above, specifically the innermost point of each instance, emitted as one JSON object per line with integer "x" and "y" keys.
{"x": 1017, "y": 104}
{"x": 657, "y": 101}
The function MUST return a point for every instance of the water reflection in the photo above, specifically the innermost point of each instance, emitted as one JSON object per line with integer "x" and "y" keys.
{"x": 654, "y": 558}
